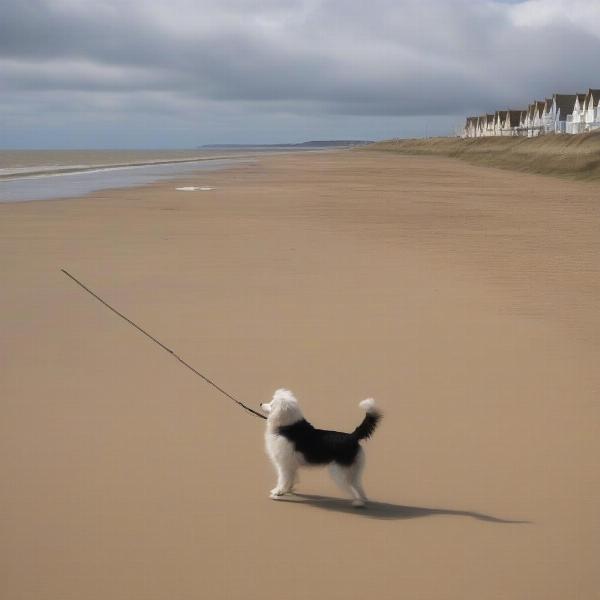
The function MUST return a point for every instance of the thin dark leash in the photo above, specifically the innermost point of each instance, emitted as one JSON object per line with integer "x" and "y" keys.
{"x": 171, "y": 352}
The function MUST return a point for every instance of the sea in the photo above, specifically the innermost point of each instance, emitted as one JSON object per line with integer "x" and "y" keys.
{"x": 47, "y": 174}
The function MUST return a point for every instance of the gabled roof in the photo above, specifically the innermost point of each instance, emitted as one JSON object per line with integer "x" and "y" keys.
{"x": 513, "y": 117}
{"x": 593, "y": 97}
{"x": 539, "y": 107}
{"x": 547, "y": 105}
{"x": 564, "y": 103}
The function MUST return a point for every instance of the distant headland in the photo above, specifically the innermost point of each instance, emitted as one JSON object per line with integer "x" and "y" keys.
{"x": 309, "y": 144}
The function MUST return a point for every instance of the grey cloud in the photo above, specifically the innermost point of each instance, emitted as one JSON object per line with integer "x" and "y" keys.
{"x": 383, "y": 59}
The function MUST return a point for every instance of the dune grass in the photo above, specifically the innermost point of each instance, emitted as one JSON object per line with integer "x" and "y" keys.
{"x": 569, "y": 156}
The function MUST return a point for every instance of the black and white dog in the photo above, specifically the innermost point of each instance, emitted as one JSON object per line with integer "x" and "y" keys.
{"x": 292, "y": 442}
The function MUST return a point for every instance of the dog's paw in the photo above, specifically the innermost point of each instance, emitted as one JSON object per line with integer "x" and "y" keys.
{"x": 276, "y": 492}
{"x": 359, "y": 503}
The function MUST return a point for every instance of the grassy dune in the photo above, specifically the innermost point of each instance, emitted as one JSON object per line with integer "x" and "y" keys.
{"x": 570, "y": 156}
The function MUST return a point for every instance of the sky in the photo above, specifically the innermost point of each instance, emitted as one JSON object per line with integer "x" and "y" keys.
{"x": 183, "y": 73}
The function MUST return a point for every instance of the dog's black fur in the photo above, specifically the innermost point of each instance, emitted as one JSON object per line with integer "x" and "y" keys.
{"x": 321, "y": 447}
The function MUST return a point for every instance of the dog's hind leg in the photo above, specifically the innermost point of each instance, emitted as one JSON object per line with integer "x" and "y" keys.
{"x": 346, "y": 478}
{"x": 295, "y": 480}
{"x": 356, "y": 478}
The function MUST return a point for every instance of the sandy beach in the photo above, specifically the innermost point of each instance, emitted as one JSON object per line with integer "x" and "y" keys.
{"x": 465, "y": 299}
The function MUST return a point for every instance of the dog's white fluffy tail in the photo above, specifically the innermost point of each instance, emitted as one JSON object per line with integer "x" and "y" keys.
{"x": 373, "y": 416}
{"x": 368, "y": 406}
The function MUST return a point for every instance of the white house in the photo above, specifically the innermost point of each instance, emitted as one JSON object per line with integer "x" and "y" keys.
{"x": 469, "y": 130}
{"x": 591, "y": 106}
{"x": 512, "y": 122}
{"x": 548, "y": 116}
{"x": 465, "y": 130}
{"x": 480, "y": 126}
{"x": 562, "y": 110}
{"x": 499, "y": 119}
{"x": 529, "y": 120}
{"x": 523, "y": 123}
{"x": 575, "y": 125}
{"x": 537, "y": 123}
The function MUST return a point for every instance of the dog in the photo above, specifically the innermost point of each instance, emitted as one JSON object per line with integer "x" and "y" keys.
{"x": 292, "y": 442}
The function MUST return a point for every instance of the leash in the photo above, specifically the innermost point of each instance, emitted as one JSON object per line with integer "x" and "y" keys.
{"x": 171, "y": 352}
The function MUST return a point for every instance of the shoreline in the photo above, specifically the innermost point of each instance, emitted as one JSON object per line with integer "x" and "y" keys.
{"x": 124, "y": 176}
{"x": 53, "y": 172}
{"x": 25, "y": 189}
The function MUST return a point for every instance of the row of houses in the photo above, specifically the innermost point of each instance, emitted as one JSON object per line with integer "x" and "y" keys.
{"x": 563, "y": 113}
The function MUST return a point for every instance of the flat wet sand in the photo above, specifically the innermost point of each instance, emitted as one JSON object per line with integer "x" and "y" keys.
{"x": 464, "y": 299}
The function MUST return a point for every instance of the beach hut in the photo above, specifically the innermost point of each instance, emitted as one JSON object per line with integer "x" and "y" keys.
{"x": 465, "y": 130}
{"x": 575, "y": 125}
{"x": 512, "y": 122}
{"x": 548, "y": 116}
{"x": 489, "y": 125}
{"x": 523, "y": 123}
{"x": 562, "y": 110}
{"x": 470, "y": 127}
{"x": 591, "y": 118}
{"x": 538, "y": 113}
{"x": 529, "y": 120}
{"x": 499, "y": 120}
{"x": 481, "y": 126}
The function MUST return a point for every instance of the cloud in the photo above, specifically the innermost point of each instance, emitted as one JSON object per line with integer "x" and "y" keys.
{"x": 295, "y": 59}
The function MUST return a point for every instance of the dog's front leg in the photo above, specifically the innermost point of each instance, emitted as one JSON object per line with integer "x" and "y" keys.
{"x": 278, "y": 490}
{"x": 286, "y": 475}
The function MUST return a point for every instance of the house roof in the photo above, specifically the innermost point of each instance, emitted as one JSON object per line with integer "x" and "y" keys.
{"x": 592, "y": 96}
{"x": 565, "y": 103}
{"x": 514, "y": 118}
{"x": 539, "y": 106}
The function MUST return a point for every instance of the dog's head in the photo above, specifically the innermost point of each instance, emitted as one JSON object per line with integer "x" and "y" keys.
{"x": 283, "y": 409}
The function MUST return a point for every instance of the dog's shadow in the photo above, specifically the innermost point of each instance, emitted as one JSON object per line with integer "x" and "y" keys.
{"x": 385, "y": 510}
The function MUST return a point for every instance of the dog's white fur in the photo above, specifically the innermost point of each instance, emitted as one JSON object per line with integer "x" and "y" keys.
{"x": 285, "y": 410}
{"x": 282, "y": 410}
